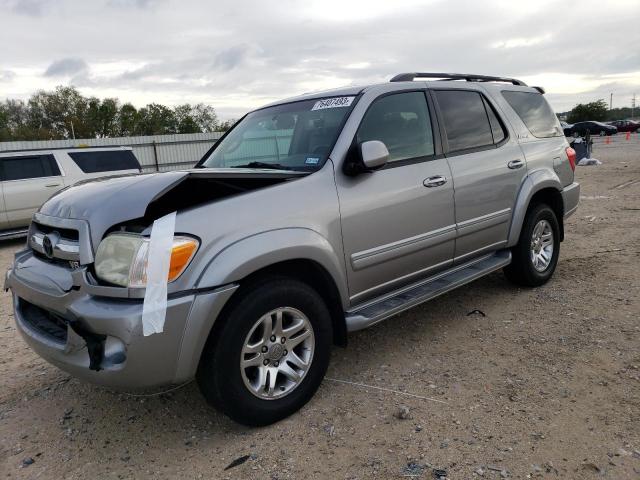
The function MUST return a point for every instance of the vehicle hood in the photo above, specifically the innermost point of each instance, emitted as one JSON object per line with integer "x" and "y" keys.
{"x": 111, "y": 201}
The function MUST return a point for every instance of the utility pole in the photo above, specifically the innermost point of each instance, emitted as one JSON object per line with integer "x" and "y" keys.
{"x": 633, "y": 105}
{"x": 611, "y": 101}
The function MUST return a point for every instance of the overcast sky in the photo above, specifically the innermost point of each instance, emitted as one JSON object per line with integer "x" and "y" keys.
{"x": 237, "y": 55}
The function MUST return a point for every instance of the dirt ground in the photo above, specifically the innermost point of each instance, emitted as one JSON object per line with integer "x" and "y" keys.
{"x": 546, "y": 385}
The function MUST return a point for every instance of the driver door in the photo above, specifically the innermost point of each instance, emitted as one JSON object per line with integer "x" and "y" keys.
{"x": 398, "y": 222}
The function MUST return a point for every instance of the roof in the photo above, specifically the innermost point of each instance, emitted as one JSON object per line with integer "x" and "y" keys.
{"x": 405, "y": 79}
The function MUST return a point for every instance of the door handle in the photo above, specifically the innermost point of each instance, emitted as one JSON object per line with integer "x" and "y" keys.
{"x": 435, "y": 181}
{"x": 52, "y": 185}
{"x": 513, "y": 164}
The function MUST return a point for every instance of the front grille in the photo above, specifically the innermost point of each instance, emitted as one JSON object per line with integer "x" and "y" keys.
{"x": 43, "y": 321}
{"x": 53, "y": 243}
{"x": 65, "y": 233}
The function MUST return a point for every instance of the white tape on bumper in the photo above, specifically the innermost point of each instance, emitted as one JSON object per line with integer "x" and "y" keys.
{"x": 154, "y": 308}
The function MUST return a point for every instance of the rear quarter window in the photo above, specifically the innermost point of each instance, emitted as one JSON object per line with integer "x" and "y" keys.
{"x": 535, "y": 112}
{"x": 110, "y": 161}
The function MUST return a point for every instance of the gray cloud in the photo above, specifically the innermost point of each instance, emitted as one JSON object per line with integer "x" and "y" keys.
{"x": 32, "y": 8}
{"x": 134, "y": 3}
{"x": 243, "y": 55}
{"x": 230, "y": 57}
{"x": 7, "y": 75}
{"x": 66, "y": 67}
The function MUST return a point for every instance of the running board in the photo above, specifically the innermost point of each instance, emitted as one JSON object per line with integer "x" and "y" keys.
{"x": 9, "y": 234}
{"x": 382, "y": 308}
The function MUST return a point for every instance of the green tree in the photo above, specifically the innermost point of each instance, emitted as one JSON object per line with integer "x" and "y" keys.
{"x": 155, "y": 119}
{"x": 127, "y": 120}
{"x": 60, "y": 112}
{"x": 205, "y": 116}
{"x": 91, "y": 124}
{"x": 65, "y": 113}
{"x": 185, "y": 123}
{"x": 109, "y": 110}
{"x": 5, "y": 131}
{"x": 226, "y": 125}
{"x": 588, "y": 111}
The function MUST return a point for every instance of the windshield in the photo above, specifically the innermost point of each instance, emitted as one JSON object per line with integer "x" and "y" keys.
{"x": 292, "y": 136}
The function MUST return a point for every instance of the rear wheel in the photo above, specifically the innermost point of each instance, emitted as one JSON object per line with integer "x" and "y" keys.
{"x": 270, "y": 354}
{"x": 536, "y": 255}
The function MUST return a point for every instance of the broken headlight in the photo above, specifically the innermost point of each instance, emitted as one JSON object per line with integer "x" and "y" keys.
{"x": 122, "y": 259}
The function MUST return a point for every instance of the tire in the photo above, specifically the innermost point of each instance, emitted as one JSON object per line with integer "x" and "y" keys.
{"x": 227, "y": 386}
{"x": 522, "y": 270}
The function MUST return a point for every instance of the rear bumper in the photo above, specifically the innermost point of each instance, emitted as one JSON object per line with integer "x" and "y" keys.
{"x": 570, "y": 199}
{"x": 63, "y": 327}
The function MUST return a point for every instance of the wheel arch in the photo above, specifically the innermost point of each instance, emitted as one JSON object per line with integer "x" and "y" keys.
{"x": 542, "y": 186}
{"x": 297, "y": 253}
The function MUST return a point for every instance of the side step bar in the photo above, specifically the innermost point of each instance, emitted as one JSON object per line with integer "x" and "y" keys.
{"x": 9, "y": 234}
{"x": 382, "y": 308}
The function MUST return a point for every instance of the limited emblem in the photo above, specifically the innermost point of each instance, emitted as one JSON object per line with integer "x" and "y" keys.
{"x": 48, "y": 244}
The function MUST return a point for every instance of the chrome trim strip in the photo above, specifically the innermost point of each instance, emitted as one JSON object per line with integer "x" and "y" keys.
{"x": 485, "y": 218}
{"x": 399, "y": 280}
{"x": 389, "y": 251}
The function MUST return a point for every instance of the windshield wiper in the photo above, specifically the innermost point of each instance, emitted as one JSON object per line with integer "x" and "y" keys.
{"x": 274, "y": 166}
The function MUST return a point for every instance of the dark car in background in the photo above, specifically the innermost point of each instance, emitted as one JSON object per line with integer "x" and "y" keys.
{"x": 566, "y": 128}
{"x": 625, "y": 125}
{"x": 594, "y": 128}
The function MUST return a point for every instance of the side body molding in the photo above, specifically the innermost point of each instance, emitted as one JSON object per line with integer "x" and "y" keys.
{"x": 252, "y": 253}
{"x": 532, "y": 183}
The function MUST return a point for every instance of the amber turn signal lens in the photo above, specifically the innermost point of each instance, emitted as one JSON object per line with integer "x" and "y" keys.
{"x": 184, "y": 248}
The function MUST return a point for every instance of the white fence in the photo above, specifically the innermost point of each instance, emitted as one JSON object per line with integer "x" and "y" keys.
{"x": 154, "y": 152}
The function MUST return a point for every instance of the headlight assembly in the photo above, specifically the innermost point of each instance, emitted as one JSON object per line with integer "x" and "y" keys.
{"x": 122, "y": 258}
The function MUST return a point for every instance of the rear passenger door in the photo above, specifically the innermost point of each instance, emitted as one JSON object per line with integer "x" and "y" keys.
{"x": 487, "y": 167}
{"x": 27, "y": 182}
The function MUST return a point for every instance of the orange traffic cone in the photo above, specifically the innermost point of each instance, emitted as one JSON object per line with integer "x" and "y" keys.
{"x": 607, "y": 140}
{"x": 628, "y": 136}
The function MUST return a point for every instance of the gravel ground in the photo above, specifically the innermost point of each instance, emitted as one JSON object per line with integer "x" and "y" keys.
{"x": 547, "y": 384}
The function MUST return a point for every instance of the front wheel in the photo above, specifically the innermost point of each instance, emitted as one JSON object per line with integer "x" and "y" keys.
{"x": 536, "y": 255}
{"x": 270, "y": 354}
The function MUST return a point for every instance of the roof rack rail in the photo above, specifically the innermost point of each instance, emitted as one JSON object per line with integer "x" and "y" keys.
{"x": 408, "y": 77}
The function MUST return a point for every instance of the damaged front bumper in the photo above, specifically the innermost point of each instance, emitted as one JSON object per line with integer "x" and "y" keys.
{"x": 85, "y": 330}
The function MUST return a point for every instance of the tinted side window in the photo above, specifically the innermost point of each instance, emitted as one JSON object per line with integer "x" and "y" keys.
{"x": 497, "y": 129}
{"x": 32, "y": 166}
{"x": 465, "y": 119}
{"x": 94, "y": 162}
{"x": 534, "y": 111}
{"x": 402, "y": 122}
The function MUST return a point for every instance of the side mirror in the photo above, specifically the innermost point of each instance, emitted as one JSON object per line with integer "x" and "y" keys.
{"x": 374, "y": 154}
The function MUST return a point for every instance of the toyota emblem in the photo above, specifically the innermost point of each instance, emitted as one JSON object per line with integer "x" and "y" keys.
{"x": 48, "y": 243}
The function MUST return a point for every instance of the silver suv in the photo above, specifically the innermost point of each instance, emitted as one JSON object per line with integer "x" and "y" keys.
{"x": 312, "y": 217}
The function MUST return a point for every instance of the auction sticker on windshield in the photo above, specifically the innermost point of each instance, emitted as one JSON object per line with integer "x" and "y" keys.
{"x": 334, "y": 102}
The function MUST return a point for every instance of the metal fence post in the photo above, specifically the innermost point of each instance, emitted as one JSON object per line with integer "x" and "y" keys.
{"x": 155, "y": 156}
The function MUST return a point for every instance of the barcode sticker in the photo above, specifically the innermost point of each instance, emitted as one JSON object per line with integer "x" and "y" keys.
{"x": 334, "y": 102}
